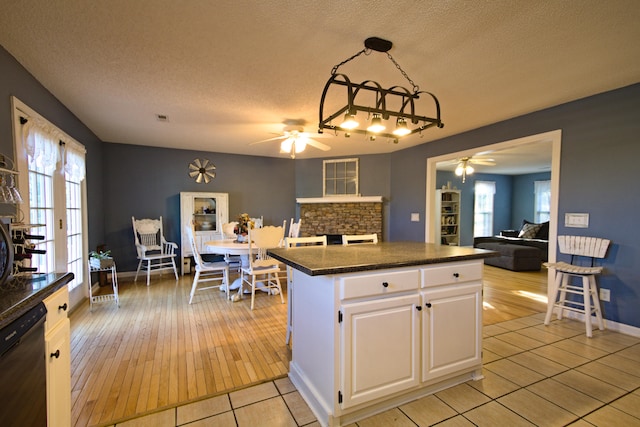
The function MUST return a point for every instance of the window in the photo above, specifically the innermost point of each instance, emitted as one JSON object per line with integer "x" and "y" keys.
{"x": 542, "y": 192}
{"x": 340, "y": 177}
{"x": 52, "y": 169}
{"x": 483, "y": 208}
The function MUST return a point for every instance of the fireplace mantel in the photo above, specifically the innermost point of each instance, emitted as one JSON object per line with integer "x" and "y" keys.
{"x": 340, "y": 199}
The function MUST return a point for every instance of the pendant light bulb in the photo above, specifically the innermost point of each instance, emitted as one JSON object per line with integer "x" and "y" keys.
{"x": 349, "y": 122}
{"x": 401, "y": 128}
{"x": 376, "y": 124}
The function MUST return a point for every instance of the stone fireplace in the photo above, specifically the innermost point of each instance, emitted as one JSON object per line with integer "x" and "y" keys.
{"x": 341, "y": 215}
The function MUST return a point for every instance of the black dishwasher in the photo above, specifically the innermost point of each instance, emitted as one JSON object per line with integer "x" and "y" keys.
{"x": 23, "y": 393}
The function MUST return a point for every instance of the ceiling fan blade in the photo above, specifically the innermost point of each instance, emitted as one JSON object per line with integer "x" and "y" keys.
{"x": 193, "y": 167}
{"x": 194, "y": 173}
{"x": 206, "y": 178}
{"x": 197, "y": 163}
{"x": 199, "y": 178}
{"x": 275, "y": 138}
{"x": 318, "y": 145}
{"x": 210, "y": 174}
{"x": 485, "y": 162}
{"x": 210, "y": 167}
{"x": 205, "y": 163}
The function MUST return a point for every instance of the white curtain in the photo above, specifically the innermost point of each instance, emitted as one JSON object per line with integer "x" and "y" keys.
{"x": 542, "y": 191}
{"x": 41, "y": 144}
{"x": 483, "y": 208}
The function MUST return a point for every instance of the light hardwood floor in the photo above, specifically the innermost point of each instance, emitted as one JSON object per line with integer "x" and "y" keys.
{"x": 157, "y": 351}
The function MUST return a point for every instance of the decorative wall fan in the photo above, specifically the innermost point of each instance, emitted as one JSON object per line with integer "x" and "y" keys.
{"x": 202, "y": 170}
{"x": 295, "y": 139}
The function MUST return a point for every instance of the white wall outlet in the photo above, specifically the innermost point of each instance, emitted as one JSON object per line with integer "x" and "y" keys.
{"x": 415, "y": 217}
{"x": 605, "y": 294}
{"x": 576, "y": 220}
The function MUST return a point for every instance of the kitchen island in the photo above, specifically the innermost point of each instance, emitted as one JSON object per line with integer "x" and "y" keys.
{"x": 379, "y": 325}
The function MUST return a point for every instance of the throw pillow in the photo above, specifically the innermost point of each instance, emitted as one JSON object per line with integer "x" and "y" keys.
{"x": 529, "y": 231}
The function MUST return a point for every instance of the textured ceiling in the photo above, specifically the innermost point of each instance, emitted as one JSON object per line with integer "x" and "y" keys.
{"x": 228, "y": 73}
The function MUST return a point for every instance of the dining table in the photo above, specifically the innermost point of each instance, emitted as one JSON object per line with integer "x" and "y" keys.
{"x": 233, "y": 247}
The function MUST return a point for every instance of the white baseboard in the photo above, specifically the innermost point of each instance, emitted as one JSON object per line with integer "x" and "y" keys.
{"x": 608, "y": 324}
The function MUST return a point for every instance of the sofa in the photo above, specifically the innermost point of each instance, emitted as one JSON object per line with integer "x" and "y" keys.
{"x": 530, "y": 235}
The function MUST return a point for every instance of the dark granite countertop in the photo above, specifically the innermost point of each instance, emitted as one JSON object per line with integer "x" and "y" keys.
{"x": 336, "y": 259}
{"x": 20, "y": 294}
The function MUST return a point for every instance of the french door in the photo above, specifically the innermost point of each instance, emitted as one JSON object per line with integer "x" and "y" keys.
{"x": 52, "y": 174}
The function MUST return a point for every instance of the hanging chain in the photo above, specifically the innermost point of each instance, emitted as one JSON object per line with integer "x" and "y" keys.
{"x": 334, "y": 70}
{"x": 416, "y": 88}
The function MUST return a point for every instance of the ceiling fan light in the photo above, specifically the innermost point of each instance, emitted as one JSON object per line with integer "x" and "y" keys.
{"x": 459, "y": 169}
{"x": 401, "y": 128}
{"x": 300, "y": 144}
{"x": 376, "y": 125}
{"x": 286, "y": 145}
{"x": 469, "y": 169}
{"x": 349, "y": 122}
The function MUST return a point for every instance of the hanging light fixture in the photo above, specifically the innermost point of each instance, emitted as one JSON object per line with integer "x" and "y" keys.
{"x": 396, "y": 103}
{"x": 463, "y": 169}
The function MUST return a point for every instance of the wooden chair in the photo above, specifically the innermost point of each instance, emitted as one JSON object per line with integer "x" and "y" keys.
{"x": 154, "y": 252}
{"x": 580, "y": 248}
{"x": 207, "y": 272}
{"x": 294, "y": 228}
{"x": 233, "y": 261}
{"x": 260, "y": 263}
{"x": 350, "y": 239}
{"x": 294, "y": 242}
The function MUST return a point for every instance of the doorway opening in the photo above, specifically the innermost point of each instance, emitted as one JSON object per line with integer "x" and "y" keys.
{"x": 552, "y": 137}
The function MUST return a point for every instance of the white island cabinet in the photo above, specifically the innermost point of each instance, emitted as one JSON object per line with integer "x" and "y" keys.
{"x": 381, "y": 329}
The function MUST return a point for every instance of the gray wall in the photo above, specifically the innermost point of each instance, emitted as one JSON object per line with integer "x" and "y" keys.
{"x": 600, "y": 150}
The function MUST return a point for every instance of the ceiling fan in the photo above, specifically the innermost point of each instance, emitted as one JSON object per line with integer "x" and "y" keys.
{"x": 464, "y": 167}
{"x": 295, "y": 139}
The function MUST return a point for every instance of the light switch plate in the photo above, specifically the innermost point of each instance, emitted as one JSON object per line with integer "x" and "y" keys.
{"x": 576, "y": 220}
{"x": 415, "y": 217}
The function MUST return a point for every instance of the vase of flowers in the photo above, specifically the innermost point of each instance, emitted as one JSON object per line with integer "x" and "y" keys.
{"x": 244, "y": 224}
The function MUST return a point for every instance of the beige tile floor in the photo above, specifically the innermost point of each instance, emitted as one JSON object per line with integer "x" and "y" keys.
{"x": 533, "y": 375}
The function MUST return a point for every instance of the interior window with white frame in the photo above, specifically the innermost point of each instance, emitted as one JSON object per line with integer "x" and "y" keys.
{"x": 484, "y": 192}
{"x": 340, "y": 177}
{"x": 542, "y": 197}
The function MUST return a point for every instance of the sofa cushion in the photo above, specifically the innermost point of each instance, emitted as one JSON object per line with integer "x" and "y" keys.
{"x": 529, "y": 231}
{"x": 543, "y": 232}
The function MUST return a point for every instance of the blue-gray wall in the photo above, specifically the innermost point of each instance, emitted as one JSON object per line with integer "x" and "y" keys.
{"x": 600, "y": 149}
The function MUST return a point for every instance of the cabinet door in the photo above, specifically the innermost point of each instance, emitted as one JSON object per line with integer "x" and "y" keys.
{"x": 380, "y": 348}
{"x": 57, "y": 353}
{"x": 451, "y": 329}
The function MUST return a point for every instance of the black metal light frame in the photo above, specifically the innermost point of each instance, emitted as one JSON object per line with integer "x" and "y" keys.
{"x": 400, "y": 95}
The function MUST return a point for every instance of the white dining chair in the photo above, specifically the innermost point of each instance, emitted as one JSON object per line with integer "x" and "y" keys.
{"x": 351, "y": 239}
{"x": 207, "y": 272}
{"x": 295, "y": 242}
{"x": 261, "y": 264}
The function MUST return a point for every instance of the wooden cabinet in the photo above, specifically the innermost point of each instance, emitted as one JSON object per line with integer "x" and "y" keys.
{"x": 451, "y": 319}
{"x": 448, "y": 217}
{"x": 57, "y": 337}
{"x": 365, "y": 341}
{"x": 208, "y": 212}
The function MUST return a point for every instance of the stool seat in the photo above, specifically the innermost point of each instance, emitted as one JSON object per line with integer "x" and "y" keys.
{"x": 565, "y": 267}
{"x": 588, "y": 302}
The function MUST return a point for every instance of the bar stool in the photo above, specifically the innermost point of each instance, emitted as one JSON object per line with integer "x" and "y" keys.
{"x": 579, "y": 247}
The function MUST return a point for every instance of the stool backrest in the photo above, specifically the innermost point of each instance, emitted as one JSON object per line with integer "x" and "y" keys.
{"x": 593, "y": 247}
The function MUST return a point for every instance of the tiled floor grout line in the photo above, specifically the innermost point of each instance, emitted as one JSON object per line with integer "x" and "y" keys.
{"x": 568, "y": 338}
